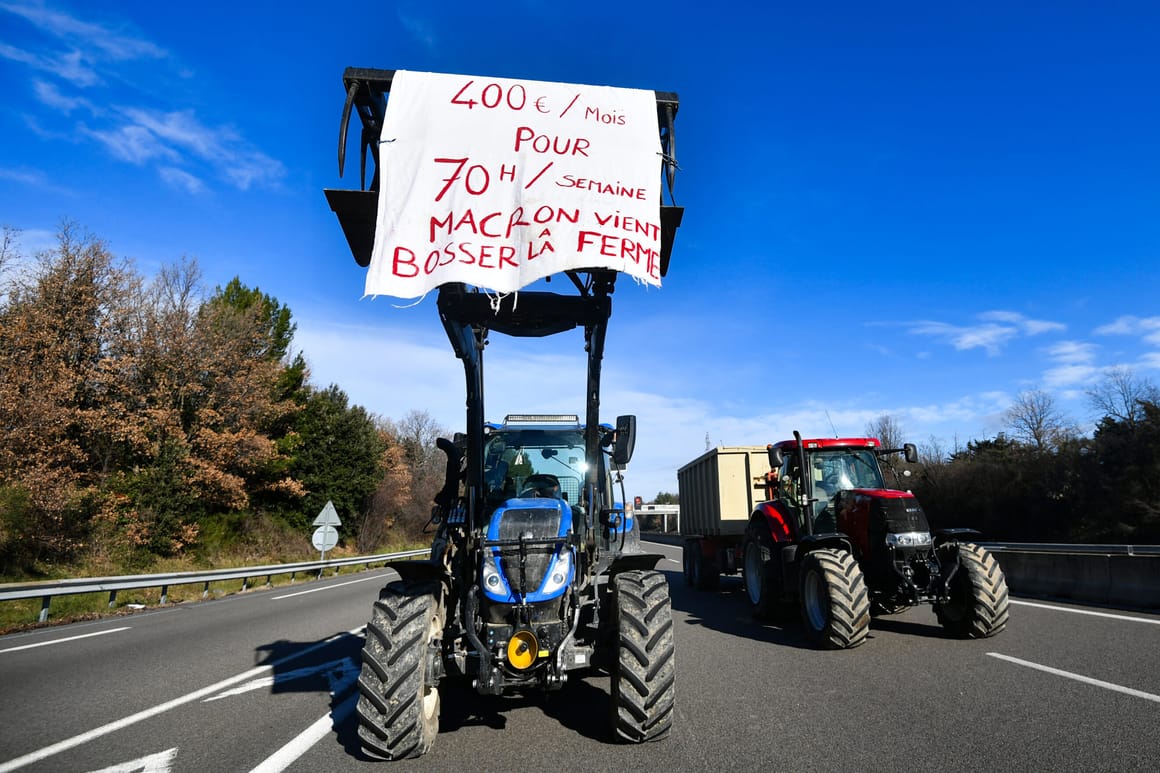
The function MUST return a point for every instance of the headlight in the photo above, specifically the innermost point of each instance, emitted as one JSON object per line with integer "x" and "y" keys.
{"x": 909, "y": 539}
{"x": 491, "y": 577}
{"x": 560, "y": 571}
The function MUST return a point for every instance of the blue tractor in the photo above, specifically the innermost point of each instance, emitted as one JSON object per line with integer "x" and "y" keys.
{"x": 536, "y": 569}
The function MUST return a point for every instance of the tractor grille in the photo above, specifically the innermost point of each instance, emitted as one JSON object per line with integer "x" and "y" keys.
{"x": 533, "y": 523}
{"x": 901, "y": 515}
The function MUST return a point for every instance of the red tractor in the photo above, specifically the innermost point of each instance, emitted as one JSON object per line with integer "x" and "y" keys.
{"x": 835, "y": 540}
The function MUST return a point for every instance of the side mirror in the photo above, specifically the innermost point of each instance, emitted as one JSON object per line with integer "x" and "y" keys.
{"x": 775, "y": 457}
{"x": 625, "y": 441}
{"x": 910, "y": 453}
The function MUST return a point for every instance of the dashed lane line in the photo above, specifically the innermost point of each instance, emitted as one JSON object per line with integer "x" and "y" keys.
{"x": 1128, "y": 618}
{"x": 67, "y": 638}
{"x": 1079, "y": 677}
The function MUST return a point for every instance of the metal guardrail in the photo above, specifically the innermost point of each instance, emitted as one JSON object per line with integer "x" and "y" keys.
{"x": 46, "y": 590}
{"x": 1067, "y": 549}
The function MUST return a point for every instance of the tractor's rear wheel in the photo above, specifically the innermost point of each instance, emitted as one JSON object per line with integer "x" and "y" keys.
{"x": 756, "y": 570}
{"x": 644, "y": 673}
{"x": 979, "y": 605}
{"x": 834, "y": 600}
{"x": 398, "y": 709}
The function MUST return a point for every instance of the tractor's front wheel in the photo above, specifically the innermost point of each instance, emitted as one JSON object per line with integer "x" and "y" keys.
{"x": 978, "y": 605}
{"x": 834, "y": 599}
{"x": 644, "y": 672}
{"x": 398, "y": 705}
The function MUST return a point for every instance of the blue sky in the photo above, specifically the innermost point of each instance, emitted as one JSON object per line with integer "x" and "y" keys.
{"x": 911, "y": 208}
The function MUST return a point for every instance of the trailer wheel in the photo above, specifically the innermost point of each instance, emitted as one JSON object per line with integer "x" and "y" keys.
{"x": 688, "y": 562}
{"x": 979, "y": 605}
{"x": 398, "y": 708}
{"x": 834, "y": 600}
{"x": 756, "y": 572}
{"x": 703, "y": 570}
{"x": 644, "y": 672}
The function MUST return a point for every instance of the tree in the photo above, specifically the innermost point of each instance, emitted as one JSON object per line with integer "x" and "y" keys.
{"x": 340, "y": 457}
{"x": 65, "y": 358}
{"x": 1120, "y": 395}
{"x": 887, "y": 429}
{"x": 665, "y": 498}
{"x": 416, "y": 434}
{"x": 1034, "y": 419}
{"x": 273, "y": 318}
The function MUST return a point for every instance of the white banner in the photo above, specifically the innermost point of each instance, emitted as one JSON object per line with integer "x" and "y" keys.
{"x": 497, "y": 183}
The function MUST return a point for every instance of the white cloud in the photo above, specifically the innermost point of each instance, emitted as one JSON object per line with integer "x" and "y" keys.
{"x": 997, "y": 329}
{"x": 179, "y": 178}
{"x": 418, "y": 30}
{"x": 75, "y": 54}
{"x": 111, "y": 44}
{"x": 988, "y": 337}
{"x": 1148, "y": 328}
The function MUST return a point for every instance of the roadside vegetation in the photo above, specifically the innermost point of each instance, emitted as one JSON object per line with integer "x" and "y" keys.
{"x": 154, "y": 425}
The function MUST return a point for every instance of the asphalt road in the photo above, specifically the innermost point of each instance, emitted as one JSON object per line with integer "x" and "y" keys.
{"x": 264, "y": 681}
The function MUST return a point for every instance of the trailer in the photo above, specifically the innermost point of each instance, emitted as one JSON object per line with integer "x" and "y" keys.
{"x": 718, "y": 492}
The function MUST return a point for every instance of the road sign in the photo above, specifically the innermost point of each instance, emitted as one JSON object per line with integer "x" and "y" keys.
{"x": 328, "y": 516}
{"x": 325, "y": 537}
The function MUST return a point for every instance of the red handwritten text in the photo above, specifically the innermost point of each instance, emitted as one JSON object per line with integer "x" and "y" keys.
{"x": 497, "y": 225}
{"x": 611, "y": 246}
{"x": 616, "y": 188}
{"x": 543, "y": 143}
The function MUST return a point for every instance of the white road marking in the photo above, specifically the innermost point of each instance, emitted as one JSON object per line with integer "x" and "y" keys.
{"x": 67, "y": 638}
{"x": 304, "y": 741}
{"x": 1087, "y": 612}
{"x": 161, "y": 762}
{"x": 328, "y": 587}
{"x": 132, "y": 719}
{"x": 1079, "y": 677}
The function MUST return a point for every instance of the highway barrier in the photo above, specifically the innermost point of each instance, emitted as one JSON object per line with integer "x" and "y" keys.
{"x": 45, "y": 591}
{"x": 1116, "y": 575}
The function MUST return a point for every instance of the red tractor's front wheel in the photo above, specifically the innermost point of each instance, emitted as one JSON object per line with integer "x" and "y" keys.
{"x": 834, "y": 600}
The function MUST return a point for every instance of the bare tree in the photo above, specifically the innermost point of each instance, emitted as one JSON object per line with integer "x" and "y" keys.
{"x": 1035, "y": 419}
{"x": 1120, "y": 396}
{"x": 887, "y": 429}
{"x": 416, "y": 434}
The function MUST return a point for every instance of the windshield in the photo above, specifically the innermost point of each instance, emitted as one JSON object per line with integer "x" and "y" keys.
{"x": 530, "y": 463}
{"x": 843, "y": 469}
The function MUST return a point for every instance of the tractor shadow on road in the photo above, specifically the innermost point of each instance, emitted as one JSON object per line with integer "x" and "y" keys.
{"x": 319, "y": 666}
{"x": 571, "y": 706}
{"x": 727, "y": 610}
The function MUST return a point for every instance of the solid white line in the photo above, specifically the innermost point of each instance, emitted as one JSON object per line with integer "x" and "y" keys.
{"x": 67, "y": 638}
{"x": 1079, "y": 678}
{"x": 1088, "y": 612}
{"x": 328, "y": 587}
{"x": 285, "y": 757}
{"x": 103, "y": 730}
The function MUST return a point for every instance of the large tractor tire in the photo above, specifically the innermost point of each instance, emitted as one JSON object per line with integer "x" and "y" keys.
{"x": 979, "y": 604}
{"x": 756, "y": 569}
{"x": 398, "y": 710}
{"x": 644, "y": 674}
{"x": 835, "y": 602}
